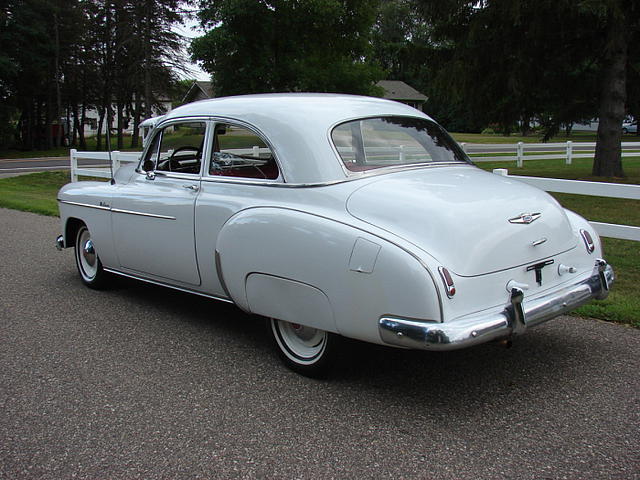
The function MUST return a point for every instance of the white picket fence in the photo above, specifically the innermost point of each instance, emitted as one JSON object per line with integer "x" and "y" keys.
{"x": 597, "y": 189}
{"x": 600, "y": 189}
{"x": 117, "y": 158}
{"x": 540, "y": 151}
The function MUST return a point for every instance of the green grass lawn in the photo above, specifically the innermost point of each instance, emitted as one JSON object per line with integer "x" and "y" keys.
{"x": 37, "y": 193}
{"x": 623, "y": 304}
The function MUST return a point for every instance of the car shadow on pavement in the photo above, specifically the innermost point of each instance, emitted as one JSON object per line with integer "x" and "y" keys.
{"x": 538, "y": 362}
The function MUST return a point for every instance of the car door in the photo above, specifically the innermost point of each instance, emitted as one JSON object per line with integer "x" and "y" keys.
{"x": 153, "y": 215}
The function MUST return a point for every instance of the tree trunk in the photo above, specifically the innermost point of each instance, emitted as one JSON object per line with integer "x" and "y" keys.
{"x": 147, "y": 60}
{"x": 568, "y": 128}
{"x": 100, "y": 124}
{"x": 120, "y": 126}
{"x": 76, "y": 125}
{"x": 136, "y": 120}
{"x": 59, "y": 133}
{"x": 608, "y": 160}
{"x": 83, "y": 118}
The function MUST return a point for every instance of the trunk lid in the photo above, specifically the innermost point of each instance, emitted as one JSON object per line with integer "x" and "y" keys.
{"x": 460, "y": 216}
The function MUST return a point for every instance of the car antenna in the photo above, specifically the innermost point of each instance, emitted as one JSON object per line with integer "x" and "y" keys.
{"x": 112, "y": 181}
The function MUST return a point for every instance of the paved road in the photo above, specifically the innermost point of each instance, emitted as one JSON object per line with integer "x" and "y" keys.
{"x": 31, "y": 165}
{"x": 142, "y": 382}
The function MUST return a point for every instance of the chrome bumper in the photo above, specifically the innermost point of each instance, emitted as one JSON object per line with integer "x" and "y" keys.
{"x": 60, "y": 242}
{"x": 517, "y": 316}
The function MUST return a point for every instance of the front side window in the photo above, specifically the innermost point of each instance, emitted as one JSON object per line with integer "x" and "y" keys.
{"x": 239, "y": 152}
{"x": 379, "y": 142}
{"x": 178, "y": 148}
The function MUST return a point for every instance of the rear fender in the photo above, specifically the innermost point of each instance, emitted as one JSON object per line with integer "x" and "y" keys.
{"x": 319, "y": 272}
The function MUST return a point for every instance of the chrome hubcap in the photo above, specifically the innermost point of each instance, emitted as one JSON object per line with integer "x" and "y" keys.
{"x": 305, "y": 343}
{"x": 89, "y": 253}
{"x": 86, "y": 254}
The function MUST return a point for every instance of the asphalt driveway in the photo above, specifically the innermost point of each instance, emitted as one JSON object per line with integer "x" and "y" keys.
{"x": 143, "y": 382}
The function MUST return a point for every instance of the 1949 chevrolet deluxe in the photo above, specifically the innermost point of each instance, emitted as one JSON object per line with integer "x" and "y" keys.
{"x": 334, "y": 215}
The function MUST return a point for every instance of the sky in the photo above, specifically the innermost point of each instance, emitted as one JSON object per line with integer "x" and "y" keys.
{"x": 191, "y": 29}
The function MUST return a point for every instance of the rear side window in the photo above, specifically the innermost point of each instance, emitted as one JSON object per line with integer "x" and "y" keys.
{"x": 380, "y": 142}
{"x": 239, "y": 152}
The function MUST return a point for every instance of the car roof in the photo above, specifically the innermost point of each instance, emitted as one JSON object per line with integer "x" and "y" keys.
{"x": 297, "y": 125}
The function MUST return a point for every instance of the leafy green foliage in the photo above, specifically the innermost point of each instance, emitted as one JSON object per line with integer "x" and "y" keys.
{"x": 284, "y": 45}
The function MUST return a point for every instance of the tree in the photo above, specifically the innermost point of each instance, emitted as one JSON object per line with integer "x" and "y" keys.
{"x": 621, "y": 22}
{"x": 62, "y": 57}
{"x": 512, "y": 60}
{"x": 285, "y": 45}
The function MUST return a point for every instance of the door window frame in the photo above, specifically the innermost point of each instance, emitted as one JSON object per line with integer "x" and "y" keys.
{"x": 236, "y": 179}
{"x": 157, "y": 135}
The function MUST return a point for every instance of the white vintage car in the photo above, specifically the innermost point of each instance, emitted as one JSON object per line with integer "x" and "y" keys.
{"x": 334, "y": 215}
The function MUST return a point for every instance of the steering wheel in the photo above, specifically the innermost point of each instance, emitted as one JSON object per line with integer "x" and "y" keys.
{"x": 173, "y": 162}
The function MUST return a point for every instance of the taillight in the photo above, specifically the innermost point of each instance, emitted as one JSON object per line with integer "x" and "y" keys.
{"x": 588, "y": 241}
{"x": 448, "y": 281}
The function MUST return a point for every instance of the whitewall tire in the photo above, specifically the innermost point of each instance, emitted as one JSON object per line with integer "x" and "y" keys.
{"x": 87, "y": 260}
{"x": 306, "y": 350}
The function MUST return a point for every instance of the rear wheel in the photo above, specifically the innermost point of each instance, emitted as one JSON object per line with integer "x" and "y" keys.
{"x": 89, "y": 265}
{"x": 306, "y": 350}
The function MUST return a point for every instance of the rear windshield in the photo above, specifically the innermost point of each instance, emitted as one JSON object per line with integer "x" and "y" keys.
{"x": 379, "y": 142}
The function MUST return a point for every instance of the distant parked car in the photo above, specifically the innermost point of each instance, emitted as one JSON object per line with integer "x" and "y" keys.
{"x": 334, "y": 215}
{"x": 630, "y": 126}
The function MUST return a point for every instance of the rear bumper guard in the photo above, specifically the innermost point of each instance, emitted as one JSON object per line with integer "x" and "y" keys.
{"x": 517, "y": 316}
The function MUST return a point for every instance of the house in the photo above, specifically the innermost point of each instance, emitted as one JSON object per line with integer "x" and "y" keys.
{"x": 393, "y": 90}
{"x": 200, "y": 90}
{"x": 401, "y": 92}
{"x": 92, "y": 117}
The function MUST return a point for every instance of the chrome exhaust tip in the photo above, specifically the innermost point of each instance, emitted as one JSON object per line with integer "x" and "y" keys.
{"x": 60, "y": 242}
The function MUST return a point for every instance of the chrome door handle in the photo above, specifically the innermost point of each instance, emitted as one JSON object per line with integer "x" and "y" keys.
{"x": 193, "y": 188}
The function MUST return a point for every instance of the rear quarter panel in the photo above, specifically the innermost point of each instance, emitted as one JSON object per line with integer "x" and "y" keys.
{"x": 361, "y": 275}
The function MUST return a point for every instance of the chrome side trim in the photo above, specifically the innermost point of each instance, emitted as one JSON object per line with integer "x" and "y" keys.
{"x": 142, "y": 214}
{"x": 117, "y": 210}
{"x": 514, "y": 319}
{"x": 161, "y": 284}
{"x": 280, "y": 184}
{"x": 88, "y": 205}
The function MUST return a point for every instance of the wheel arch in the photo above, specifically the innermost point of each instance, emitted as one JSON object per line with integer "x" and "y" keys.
{"x": 71, "y": 228}
{"x": 361, "y": 275}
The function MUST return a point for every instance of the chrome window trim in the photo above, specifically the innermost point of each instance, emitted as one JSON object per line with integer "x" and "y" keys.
{"x": 374, "y": 173}
{"x": 220, "y": 120}
{"x": 162, "y": 284}
{"x": 158, "y": 131}
{"x": 176, "y": 175}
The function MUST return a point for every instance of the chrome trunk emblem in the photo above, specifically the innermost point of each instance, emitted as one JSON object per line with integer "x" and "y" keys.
{"x": 525, "y": 218}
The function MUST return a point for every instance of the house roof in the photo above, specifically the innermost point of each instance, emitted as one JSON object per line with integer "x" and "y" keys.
{"x": 398, "y": 90}
{"x": 199, "y": 90}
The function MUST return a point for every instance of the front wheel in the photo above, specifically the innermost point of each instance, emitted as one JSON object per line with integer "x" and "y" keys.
{"x": 305, "y": 350}
{"x": 89, "y": 265}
